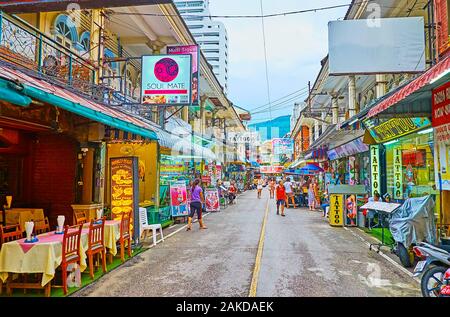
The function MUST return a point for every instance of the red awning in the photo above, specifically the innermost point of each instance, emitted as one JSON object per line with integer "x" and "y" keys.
{"x": 412, "y": 87}
{"x": 16, "y": 75}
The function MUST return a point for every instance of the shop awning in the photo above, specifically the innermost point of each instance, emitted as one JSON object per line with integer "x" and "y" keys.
{"x": 30, "y": 87}
{"x": 434, "y": 74}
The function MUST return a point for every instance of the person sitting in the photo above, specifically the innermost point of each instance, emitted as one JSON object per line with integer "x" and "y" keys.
{"x": 232, "y": 190}
{"x": 325, "y": 204}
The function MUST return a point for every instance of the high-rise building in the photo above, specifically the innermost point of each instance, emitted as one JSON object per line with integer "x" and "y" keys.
{"x": 210, "y": 35}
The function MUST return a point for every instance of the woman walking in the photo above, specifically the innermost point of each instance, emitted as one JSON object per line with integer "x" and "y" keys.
{"x": 260, "y": 187}
{"x": 316, "y": 194}
{"x": 197, "y": 201}
{"x": 281, "y": 198}
{"x": 272, "y": 188}
{"x": 311, "y": 196}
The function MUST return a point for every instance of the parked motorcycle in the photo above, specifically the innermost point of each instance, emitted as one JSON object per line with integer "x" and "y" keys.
{"x": 411, "y": 223}
{"x": 434, "y": 266}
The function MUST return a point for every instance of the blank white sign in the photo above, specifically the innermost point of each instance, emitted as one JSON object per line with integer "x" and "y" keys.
{"x": 394, "y": 45}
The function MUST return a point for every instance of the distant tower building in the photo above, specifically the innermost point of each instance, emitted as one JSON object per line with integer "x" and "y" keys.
{"x": 210, "y": 35}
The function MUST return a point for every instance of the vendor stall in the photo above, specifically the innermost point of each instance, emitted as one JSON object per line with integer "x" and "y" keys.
{"x": 345, "y": 201}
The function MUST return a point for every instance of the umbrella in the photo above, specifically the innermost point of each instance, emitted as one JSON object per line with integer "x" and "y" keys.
{"x": 309, "y": 169}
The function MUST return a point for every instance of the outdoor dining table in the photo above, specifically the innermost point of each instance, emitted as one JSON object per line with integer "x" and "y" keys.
{"x": 22, "y": 215}
{"x": 45, "y": 255}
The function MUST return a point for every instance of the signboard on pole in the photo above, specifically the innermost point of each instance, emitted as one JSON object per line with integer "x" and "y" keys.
{"x": 375, "y": 169}
{"x": 124, "y": 176}
{"x": 194, "y": 51}
{"x": 398, "y": 173}
{"x": 395, "y": 128}
{"x": 166, "y": 79}
{"x": 178, "y": 199}
{"x": 212, "y": 199}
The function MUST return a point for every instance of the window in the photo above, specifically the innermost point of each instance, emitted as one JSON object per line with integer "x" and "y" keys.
{"x": 85, "y": 41}
{"x": 66, "y": 32}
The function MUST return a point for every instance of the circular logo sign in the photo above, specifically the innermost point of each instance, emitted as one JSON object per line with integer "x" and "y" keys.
{"x": 166, "y": 70}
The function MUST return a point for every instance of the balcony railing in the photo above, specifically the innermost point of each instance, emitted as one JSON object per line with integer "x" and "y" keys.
{"x": 26, "y": 46}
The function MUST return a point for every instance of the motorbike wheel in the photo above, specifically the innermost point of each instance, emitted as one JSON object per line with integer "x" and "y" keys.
{"x": 403, "y": 254}
{"x": 431, "y": 281}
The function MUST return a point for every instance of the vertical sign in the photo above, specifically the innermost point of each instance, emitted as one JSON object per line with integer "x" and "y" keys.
{"x": 398, "y": 174}
{"x": 375, "y": 169}
{"x": 351, "y": 170}
{"x": 212, "y": 199}
{"x": 125, "y": 190}
{"x": 336, "y": 210}
{"x": 195, "y": 53}
{"x": 178, "y": 199}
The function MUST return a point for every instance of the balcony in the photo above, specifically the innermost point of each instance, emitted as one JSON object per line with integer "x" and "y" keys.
{"x": 27, "y": 47}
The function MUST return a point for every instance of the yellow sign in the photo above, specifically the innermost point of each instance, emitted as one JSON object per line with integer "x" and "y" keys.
{"x": 398, "y": 173}
{"x": 336, "y": 210}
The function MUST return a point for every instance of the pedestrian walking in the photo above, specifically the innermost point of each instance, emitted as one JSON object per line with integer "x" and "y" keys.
{"x": 311, "y": 197}
{"x": 197, "y": 201}
{"x": 316, "y": 193}
{"x": 289, "y": 192}
{"x": 260, "y": 187}
{"x": 281, "y": 198}
{"x": 272, "y": 188}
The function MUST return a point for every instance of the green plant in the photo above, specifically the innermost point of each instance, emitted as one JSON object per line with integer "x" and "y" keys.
{"x": 107, "y": 212}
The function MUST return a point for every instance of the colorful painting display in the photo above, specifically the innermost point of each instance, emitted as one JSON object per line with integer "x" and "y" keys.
{"x": 178, "y": 199}
{"x": 212, "y": 201}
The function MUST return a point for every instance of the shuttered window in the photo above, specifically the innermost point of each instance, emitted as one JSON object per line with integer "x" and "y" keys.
{"x": 441, "y": 12}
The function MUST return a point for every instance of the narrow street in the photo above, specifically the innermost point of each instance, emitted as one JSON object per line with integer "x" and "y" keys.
{"x": 302, "y": 256}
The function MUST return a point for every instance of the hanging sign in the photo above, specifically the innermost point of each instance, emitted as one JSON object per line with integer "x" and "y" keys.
{"x": 212, "y": 199}
{"x": 166, "y": 79}
{"x": 375, "y": 169}
{"x": 395, "y": 128}
{"x": 178, "y": 199}
{"x": 195, "y": 53}
{"x": 124, "y": 175}
{"x": 441, "y": 105}
{"x": 336, "y": 210}
{"x": 398, "y": 173}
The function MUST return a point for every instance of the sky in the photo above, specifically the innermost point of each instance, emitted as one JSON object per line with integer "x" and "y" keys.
{"x": 295, "y": 46}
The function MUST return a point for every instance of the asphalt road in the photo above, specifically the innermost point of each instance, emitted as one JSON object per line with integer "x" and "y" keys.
{"x": 301, "y": 256}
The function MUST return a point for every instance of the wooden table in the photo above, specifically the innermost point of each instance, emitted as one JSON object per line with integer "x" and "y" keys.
{"x": 22, "y": 215}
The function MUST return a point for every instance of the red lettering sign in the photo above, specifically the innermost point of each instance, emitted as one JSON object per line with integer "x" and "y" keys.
{"x": 441, "y": 105}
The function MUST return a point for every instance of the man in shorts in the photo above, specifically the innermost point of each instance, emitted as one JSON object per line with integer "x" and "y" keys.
{"x": 289, "y": 192}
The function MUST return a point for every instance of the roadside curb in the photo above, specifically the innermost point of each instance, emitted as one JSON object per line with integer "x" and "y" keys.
{"x": 382, "y": 254}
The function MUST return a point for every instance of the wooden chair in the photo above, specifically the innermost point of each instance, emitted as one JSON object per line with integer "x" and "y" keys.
{"x": 80, "y": 217}
{"x": 96, "y": 245}
{"x": 10, "y": 233}
{"x": 42, "y": 226}
{"x": 70, "y": 251}
{"x": 125, "y": 234}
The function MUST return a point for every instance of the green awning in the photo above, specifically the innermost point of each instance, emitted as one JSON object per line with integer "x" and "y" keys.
{"x": 9, "y": 94}
{"x": 107, "y": 116}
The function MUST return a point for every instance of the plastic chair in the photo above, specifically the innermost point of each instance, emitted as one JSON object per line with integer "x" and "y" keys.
{"x": 143, "y": 220}
{"x": 125, "y": 234}
{"x": 96, "y": 244}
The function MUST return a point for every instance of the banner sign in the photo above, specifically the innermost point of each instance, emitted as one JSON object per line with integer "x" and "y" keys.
{"x": 124, "y": 177}
{"x": 351, "y": 170}
{"x": 442, "y": 133}
{"x": 244, "y": 137}
{"x": 442, "y": 161}
{"x": 283, "y": 146}
{"x": 195, "y": 53}
{"x": 441, "y": 105}
{"x": 398, "y": 173}
{"x": 178, "y": 199}
{"x": 375, "y": 169}
{"x": 271, "y": 169}
{"x": 212, "y": 199}
{"x": 166, "y": 79}
{"x": 395, "y": 128}
{"x": 336, "y": 210}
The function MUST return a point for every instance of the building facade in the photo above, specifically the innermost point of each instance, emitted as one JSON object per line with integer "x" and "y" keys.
{"x": 210, "y": 35}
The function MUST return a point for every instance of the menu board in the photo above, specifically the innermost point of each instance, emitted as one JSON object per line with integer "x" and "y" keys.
{"x": 124, "y": 188}
{"x": 212, "y": 199}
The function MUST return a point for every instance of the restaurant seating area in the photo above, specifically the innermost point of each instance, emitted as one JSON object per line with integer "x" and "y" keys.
{"x": 58, "y": 263}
